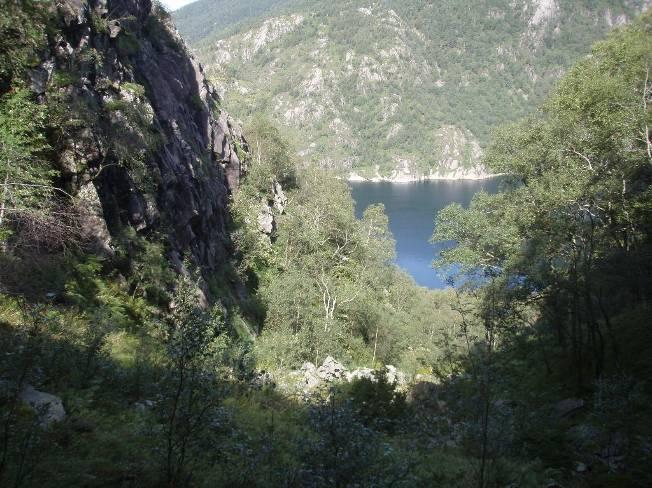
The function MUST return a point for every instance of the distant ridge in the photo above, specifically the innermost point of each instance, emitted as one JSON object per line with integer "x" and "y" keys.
{"x": 205, "y": 18}
{"x": 393, "y": 89}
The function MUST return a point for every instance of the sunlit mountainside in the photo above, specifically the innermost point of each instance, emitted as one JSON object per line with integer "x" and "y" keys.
{"x": 396, "y": 88}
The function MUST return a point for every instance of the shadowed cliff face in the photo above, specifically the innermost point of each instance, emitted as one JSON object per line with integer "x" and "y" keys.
{"x": 156, "y": 146}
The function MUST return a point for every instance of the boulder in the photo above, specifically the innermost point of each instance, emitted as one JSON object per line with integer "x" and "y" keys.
{"x": 145, "y": 405}
{"x": 264, "y": 379}
{"x": 581, "y": 467}
{"x": 266, "y": 223}
{"x": 280, "y": 200}
{"x": 359, "y": 374}
{"x": 40, "y": 77}
{"x": 394, "y": 375}
{"x": 331, "y": 369}
{"x": 569, "y": 406}
{"x": 48, "y": 408}
{"x": 311, "y": 378}
{"x": 93, "y": 226}
{"x": 114, "y": 28}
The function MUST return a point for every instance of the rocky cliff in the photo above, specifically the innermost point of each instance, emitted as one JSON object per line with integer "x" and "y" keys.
{"x": 145, "y": 139}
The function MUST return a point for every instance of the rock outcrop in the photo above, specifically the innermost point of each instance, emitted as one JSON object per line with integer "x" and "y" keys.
{"x": 47, "y": 407}
{"x": 331, "y": 369}
{"x": 311, "y": 377}
{"x": 270, "y": 208}
{"x": 151, "y": 137}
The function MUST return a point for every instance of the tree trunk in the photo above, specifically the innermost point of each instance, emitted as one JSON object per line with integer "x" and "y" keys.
{"x": 373, "y": 361}
{"x": 4, "y": 199}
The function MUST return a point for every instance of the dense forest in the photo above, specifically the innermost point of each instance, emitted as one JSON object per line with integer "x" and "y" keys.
{"x": 201, "y": 20}
{"x": 395, "y": 87}
{"x": 184, "y": 303}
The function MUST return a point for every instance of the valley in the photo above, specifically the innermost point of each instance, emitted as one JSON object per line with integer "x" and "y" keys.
{"x": 211, "y": 276}
{"x": 395, "y": 90}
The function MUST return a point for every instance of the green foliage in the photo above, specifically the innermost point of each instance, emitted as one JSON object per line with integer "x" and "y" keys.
{"x": 189, "y": 391}
{"x": 345, "y": 452}
{"x": 22, "y": 33}
{"x": 562, "y": 249}
{"x": 325, "y": 278}
{"x": 378, "y": 401}
{"x": 135, "y": 88}
{"x": 117, "y": 105}
{"x": 200, "y": 19}
{"x": 563, "y": 244}
{"x": 160, "y": 386}
{"x": 410, "y": 80}
{"x": 127, "y": 44}
{"x": 271, "y": 157}
{"x": 25, "y": 177}
{"x": 100, "y": 24}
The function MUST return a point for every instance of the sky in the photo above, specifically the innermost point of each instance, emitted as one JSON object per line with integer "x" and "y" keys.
{"x": 175, "y": 4}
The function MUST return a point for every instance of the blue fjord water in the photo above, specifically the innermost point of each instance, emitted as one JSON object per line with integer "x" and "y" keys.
{"x": 411, "y": 208}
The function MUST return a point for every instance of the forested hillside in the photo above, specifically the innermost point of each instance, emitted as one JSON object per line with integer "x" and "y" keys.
{"x": 183, "y": 303}
{"x": 398, "y": 87}
{"x": 203, "y": 19}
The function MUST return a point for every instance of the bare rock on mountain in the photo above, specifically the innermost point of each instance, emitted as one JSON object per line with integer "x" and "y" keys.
{"x": 162, "y": 155}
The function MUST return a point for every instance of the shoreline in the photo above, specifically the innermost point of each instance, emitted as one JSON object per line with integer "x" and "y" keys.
{"x": 356, "y": 178}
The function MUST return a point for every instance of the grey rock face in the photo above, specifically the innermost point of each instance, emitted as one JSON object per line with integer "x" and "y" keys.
{"x": 114, "y": 28}
{"x": 40, "y": 77}
{"x": 186, "y": 145}
{"x": 93, "y": 226}
{"x": 269, "y": 209}
{"x": 48, "y": 408}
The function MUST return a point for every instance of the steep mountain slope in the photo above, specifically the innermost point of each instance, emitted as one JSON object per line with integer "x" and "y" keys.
{"x": 209, "y": 18}
{"x": 402, "y": 89}
{"x": 141, "y": 130}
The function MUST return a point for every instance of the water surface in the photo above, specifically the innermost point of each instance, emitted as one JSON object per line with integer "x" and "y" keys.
{"x": 411, "y": 208}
